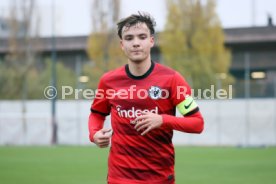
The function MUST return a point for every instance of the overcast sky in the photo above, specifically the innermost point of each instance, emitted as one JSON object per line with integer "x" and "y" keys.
{"x": 74, "y": 17}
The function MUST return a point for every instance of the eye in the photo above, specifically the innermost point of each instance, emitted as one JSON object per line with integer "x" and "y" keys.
{"x": 143, "y": 37}
{"x": 128, "y": 38}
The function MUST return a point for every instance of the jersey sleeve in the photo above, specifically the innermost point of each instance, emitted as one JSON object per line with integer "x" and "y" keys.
{"x": 101, "y": 104}
{"x": 182, "y": 99}
{"x": 100, "y": 108}
{"x": 182, "y": 96}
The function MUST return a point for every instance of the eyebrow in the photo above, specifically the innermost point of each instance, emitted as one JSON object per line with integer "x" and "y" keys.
{"x": 128, "y": 35}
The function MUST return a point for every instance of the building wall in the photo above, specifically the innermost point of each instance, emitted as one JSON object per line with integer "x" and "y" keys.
{"x": 262, "y": 58}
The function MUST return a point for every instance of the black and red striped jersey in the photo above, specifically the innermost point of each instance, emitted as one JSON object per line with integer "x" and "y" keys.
{"x": 134, "y": 158}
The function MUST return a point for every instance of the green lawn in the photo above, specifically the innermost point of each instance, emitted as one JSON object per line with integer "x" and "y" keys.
{"x": 81, "y": 165}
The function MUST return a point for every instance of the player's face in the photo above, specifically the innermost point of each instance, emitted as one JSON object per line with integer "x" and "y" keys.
{"x": 137, "y": 42}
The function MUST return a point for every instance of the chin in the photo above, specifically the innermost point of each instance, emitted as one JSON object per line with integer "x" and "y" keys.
{"x": 136, "y": 60}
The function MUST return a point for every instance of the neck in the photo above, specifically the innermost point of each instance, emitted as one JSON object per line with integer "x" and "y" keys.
{"x": 139, "y": 68}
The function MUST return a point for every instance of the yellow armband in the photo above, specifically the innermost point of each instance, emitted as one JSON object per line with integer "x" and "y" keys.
{"x": 187, "y": 105}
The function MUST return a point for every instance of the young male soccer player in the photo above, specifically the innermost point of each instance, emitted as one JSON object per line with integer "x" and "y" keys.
{"x": 141, "y": 97}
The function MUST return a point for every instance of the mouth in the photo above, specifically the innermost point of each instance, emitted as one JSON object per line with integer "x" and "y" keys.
{"x": 136, "y": 51}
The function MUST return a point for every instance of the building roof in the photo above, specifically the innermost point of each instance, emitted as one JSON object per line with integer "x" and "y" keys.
{"x": 232, "y": 36}
{"x": 250, "y": 35}
{"x": 44, "y": 44}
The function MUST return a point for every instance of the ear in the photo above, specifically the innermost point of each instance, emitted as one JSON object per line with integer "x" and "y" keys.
{"x": 122, "y": 44}
{"x": 152, "y": 40}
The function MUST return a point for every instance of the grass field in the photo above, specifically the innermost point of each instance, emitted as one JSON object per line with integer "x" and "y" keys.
{"x": 83, "y": 165}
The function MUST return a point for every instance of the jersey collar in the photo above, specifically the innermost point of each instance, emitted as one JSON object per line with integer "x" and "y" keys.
{"x": 130, "y": 75}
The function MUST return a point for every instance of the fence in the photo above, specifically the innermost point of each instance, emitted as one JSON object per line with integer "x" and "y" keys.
{"x": 236, "y": 122}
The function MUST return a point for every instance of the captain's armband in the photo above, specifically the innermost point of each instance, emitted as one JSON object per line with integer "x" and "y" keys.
{"x": 187, "y": 106}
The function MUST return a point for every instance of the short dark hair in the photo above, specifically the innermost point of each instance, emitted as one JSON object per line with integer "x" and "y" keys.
{"x": 135, "y": 19}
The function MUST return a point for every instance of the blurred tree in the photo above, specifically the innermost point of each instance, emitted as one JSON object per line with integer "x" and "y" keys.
{"x": 38, "y": 80}
{"x": 41, "y": 79}
{"x": 193, "y": 43}
{"x": 24, "y": 26}
{"x": 103, "y": 44}
{"x": 8, "y": 89}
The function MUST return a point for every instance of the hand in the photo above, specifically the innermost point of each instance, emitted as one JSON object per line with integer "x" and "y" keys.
{"x": 102, "y": 138}
{"x": 147, "y": 122}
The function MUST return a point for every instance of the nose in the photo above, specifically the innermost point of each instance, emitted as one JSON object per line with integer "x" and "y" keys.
{"x": 136, "y": 42}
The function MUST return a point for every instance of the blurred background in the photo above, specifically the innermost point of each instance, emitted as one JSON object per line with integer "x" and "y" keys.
{"x": 213, "y": 44}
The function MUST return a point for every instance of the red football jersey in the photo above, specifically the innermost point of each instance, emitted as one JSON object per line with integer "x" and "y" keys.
{"x": 134, "y": 158}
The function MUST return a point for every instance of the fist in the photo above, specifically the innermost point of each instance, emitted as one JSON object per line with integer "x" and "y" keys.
{"x": 102, "y": 137}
